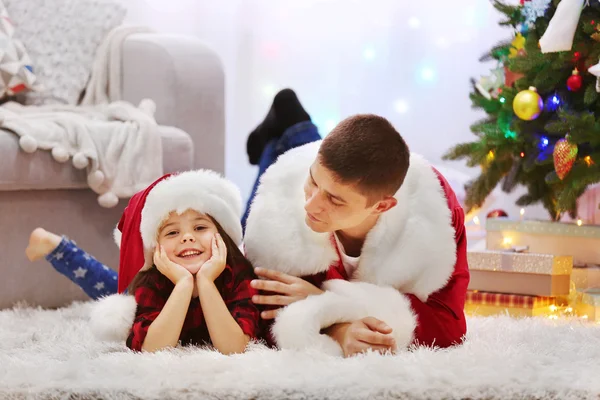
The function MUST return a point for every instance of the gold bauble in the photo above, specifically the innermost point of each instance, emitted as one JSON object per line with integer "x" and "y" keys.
{"x": 528, "y": 104}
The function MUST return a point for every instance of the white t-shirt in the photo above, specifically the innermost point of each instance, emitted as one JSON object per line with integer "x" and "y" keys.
{"x": 350, "y": 263}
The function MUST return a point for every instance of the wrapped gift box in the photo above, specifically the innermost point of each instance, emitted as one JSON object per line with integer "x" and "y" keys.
{"x": 586, "y": 276}
{"x": 588, "y": 304}
{"x": 520, "y": 273}
{"x": 486, "y": 304}
{"x": 560, "y": 239}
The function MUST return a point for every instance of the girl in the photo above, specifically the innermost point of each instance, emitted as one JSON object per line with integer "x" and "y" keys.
{"x": 286, "y": 126}
{"x": 180, "y": 260}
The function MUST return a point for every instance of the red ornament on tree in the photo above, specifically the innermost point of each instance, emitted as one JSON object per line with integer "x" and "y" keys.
{"x": 564, "y": 154}
{"x": 575, "y": 81}
{"x": 497, "y": 214}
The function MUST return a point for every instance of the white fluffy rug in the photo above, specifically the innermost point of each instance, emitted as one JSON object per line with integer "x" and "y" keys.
{"x": 51, "y": 354}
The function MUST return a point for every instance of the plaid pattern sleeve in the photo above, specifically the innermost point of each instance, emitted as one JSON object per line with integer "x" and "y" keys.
{"x": 237, "y": 295}
{"x": 150, "y": 299}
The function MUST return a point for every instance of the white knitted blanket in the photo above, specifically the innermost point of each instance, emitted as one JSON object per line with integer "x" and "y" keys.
{"x": 116, "y": 142}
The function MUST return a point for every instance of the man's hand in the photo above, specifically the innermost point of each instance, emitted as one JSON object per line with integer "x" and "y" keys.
{"x": 289, "y": 289}
{"x": 359, "y": 336}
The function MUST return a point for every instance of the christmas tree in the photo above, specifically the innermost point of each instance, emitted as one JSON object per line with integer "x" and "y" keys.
{"x": 542, "y": 98}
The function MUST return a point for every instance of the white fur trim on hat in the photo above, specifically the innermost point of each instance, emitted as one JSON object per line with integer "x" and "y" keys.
{"x": 204, "y": 191}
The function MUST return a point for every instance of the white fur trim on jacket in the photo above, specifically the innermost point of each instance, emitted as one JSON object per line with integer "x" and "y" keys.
{"x": 298, "y": 325}
{"x": 411, "y": 248}
{"x": 111, "y": 317}
{"x": 202, "y": 190}
{"x": 117, "y": 236}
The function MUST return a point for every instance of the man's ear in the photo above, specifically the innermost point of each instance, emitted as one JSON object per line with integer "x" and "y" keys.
{"x": 386, "y": 204}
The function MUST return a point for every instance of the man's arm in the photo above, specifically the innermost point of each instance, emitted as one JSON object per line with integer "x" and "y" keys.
{"x": 440, "y": 320}
{"x": 287, "y": 289}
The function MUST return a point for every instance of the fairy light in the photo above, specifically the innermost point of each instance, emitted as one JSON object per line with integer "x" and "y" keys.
{"x": 414, "y": 22}
{"x": 490, "y": 156}
{"x": 553, "y": 317}
{"x": 588, "y": 160}
{"x": 553, "y": 308}
{"x": 522, "y": 154}
{"x": 476, "y": 220}
{"x": 401, "y": 106}
{"x": 507, "y": 241}
{"x": 369, "y": 53}
{"x": 522, "y": 212}
{"x": 579, "y": 222}
{"x": 569, "y": 309}
{"x": 502, "y": 100}
{"x": 584, "y": 316}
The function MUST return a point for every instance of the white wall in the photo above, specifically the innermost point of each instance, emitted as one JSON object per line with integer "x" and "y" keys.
{"x": 409, "y": 61}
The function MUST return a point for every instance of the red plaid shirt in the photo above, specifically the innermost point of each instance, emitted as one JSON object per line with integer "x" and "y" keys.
{"x": 234, "y": 286}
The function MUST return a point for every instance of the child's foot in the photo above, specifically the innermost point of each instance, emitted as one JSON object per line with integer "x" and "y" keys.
{"x": 41, "y": 243}
{"x": 285, "y": 111}
{"x": 288, "y": 109}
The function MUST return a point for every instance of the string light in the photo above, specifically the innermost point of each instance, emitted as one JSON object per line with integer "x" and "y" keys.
{"x": 522, "y": 154}
{"x": 588, "y": 160}
{"x": 553, "y": 308}
{"x": 414, "y": 22}
{"x": 579, "y": 222}
{"x": 269, "y": 90}
{"x": 476, "y": 220}
{"x": 490, "y": 156}
{"x": 544, "y": 142}
{"x": 510, "y": 134}
{"x": 401, "y": 106}
{"x": 330, "y": 124}
{"x": 553, "y": 316}
{"x": 522, "y": 212}
{"x": 502, "y": 100}
{"x": 427, "y": 74}
{"x": 552, "y": 103}
{"x": 507, "y": 241}
{"x": 369, "y": 53}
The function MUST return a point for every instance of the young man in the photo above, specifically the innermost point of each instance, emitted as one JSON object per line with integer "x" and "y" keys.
{"x": 378, "y": 236}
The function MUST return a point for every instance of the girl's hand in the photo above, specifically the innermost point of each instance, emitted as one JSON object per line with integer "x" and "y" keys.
{"x": 175, "y": 272}
{"x": 211, "y": 269}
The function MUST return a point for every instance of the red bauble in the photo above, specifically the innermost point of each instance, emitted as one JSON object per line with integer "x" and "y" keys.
{"x": 575, "y": 81}
{"x": 497, "y": 214}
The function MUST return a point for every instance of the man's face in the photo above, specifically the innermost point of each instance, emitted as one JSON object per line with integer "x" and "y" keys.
{"x": 332, "y": 205}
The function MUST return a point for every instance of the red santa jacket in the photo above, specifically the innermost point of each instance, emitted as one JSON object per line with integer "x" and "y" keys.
{"x": 412, "y": 274}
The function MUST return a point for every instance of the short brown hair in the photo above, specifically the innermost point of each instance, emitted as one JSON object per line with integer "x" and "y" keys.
{"x": 367, "y": 151}
{"x": 234, "y": 257}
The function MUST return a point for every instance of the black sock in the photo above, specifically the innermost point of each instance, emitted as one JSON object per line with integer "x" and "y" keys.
{"x": 288, "y": 109}
{"x": 285, "y": 111}
{"x": 260, "y": 136}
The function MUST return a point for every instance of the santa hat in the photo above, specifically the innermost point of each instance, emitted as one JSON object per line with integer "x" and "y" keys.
{"x": 201, "y": 190}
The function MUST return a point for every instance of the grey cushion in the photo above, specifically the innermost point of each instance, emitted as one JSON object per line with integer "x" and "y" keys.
{"x": 39, "y": 171}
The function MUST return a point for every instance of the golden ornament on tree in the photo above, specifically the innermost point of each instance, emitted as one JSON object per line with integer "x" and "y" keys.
{"x": 564, "y": 154}
{"x": 528, "y": 104}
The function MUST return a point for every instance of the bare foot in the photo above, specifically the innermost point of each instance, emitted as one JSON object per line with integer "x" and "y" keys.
{"x": 41, "y": 243}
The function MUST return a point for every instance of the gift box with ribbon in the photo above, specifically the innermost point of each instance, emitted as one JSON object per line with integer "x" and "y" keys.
{"x": 588, "y": 304}
{"x": 520, "y": 273}
{"x": 479, "y": 303}
{"x": 545, "y": 237}
{"x": 586, "y": 276}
